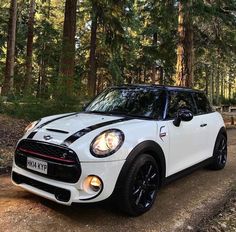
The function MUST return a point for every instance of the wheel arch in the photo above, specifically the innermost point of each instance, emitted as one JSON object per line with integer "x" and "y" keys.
{"x": 148, "y": 147}
{"x": 222, "y": 131}
{"x": 215, "y": 165}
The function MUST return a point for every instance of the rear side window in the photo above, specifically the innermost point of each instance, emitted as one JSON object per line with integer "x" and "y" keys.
{"x": 179, "y": 100}
{"x": 202, "y": 102}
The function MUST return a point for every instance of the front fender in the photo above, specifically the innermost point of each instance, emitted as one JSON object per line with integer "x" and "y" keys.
{"x": 145, "y": 147}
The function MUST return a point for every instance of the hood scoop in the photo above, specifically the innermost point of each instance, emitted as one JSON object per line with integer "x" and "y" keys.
{"x": 58, "y": 131}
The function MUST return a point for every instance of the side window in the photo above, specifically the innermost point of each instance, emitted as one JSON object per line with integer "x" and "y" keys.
{"x": 179, "y": 100}
{"x": 203, "y": 105}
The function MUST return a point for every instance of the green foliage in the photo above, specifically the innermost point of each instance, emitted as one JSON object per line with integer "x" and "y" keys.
{"x": 132, "y": 38}
{"x": 226, "y": 101}
{"x": 4, "y": 13}
{"x": 33, "y": 109}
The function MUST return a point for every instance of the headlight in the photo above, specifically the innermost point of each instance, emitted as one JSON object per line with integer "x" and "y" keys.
{"x": 107, "y": 143}
{"x": 31, "y": 126}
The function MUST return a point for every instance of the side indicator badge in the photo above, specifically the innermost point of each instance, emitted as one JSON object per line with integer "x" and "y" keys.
{"x": 162, "y": 132}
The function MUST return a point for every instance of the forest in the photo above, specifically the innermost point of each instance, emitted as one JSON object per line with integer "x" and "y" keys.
{"x": 56, "y": 54}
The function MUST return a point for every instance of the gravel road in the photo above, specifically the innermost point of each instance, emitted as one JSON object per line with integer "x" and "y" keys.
{"x": 181, "y": 206}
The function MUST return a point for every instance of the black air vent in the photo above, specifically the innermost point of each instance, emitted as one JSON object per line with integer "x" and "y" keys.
{"x": 58, "y": 131}
{"x": 60, "y": 193}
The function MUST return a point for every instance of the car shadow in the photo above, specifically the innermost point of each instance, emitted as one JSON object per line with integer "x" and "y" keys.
{"x": 80, "y": 211}
{"x": 83, "y": 212}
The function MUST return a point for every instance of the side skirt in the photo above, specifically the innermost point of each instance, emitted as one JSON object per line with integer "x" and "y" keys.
{"x": 187, "y": 171}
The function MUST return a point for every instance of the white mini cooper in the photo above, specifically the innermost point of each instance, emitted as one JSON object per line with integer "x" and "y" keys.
{"x": 127, "y": 142}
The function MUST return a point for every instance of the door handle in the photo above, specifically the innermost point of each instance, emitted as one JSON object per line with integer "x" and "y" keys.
{"x": 203, "y": 125}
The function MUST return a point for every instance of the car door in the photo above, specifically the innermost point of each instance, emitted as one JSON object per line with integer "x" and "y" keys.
{"x": 208, "y": 127}
{"x": 185, "y": 141}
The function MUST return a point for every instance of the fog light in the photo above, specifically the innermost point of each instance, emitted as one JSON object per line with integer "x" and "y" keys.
{"x": 92, "y": 184}
{"x": 95, "y": 184}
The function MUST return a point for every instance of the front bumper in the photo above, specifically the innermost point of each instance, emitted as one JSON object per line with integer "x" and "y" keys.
{"x": 108, "y": 172}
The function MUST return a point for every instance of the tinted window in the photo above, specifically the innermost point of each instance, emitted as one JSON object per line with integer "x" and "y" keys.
{"x": 202, "y": 103}
{"x": 143, "y": 102}
{"x": 179, "y": 100}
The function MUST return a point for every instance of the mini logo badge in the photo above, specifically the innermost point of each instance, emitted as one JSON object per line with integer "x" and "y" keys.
{"x": 47, "y": 137}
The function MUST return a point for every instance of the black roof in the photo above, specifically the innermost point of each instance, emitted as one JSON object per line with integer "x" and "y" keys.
{"x": 166, "y": 87}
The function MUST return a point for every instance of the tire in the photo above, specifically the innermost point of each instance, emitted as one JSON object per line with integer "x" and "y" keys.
{"x": 139, "y": 189}
{"x": 219, "y": 153}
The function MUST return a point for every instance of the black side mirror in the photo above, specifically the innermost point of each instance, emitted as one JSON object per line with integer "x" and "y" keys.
{"x": 183, "y": 115}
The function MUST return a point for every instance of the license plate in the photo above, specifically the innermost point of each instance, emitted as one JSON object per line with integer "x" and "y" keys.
{"x": 37, "y": 165}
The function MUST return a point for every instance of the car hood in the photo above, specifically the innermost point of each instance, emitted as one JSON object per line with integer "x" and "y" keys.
{"x": 59, "y": 129}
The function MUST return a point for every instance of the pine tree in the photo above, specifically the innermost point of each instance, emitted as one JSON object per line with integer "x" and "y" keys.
{"x": 11, "y": 40}
{"x": 29, "y": 54}
{"x": 67, "y": 61}
{"x": 92, "y": 76}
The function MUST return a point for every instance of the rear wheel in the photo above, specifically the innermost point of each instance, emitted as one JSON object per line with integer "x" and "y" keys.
{"x": 220, "y": 153}
{"x": 140, "y": 186}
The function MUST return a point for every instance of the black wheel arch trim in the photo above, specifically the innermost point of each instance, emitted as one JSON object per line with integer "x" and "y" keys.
{"x": 146, "y": 147}
{"x": 222, "y": 131}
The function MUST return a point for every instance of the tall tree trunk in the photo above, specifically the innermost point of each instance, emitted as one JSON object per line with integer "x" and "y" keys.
{"x": 161, "y": 72}
{"x": 211, "y": 84}
{"x": 11, "y": 41}
{"x": 144, "y": 74}
{"x": 188, "y": 45}
{"x": 230, "y": 89}
{"x": 154, "y": 68}
{"x": 42, "y": 88}
{"x": 222, "y": 95}
{"x": 218, "y": 98}
{"x": 207, "y": 77}
{"x": 67, "y": 61}
{"x": 231, "y": 78}
{"x": 214, "y": 85}
{"x": 226, "y": 91}
{"x": 180, "y": 67}
{"x": 29, "y": 54}
{"x": 92, "y": 77}
{"x": 184, "y": 65}
{"x": 99, "y": 81}
{"x": 217, "y": 82}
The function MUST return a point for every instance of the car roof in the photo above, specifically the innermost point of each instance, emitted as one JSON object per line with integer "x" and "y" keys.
{"x": 165, "y": 87}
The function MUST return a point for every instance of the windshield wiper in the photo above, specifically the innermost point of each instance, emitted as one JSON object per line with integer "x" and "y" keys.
{"x": 95, "y": 112}
{"x": 139, "y": 116}
{"x": 120, "y": 113}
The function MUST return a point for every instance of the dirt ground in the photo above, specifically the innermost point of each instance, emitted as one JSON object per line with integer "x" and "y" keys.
{"x": 192, "y": 203}
{"x": 10, "y": 131}
{"x": 224, "y": 220}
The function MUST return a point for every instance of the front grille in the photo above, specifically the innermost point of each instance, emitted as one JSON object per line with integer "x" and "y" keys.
{"x": 60, "y": 193}
{"x": 48, "y": 151}
{"x": 63, "y": 164}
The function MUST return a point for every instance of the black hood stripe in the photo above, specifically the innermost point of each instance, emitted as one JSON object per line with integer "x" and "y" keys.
{"x": 32, "y": 134}
{"x": 86, "y": 130}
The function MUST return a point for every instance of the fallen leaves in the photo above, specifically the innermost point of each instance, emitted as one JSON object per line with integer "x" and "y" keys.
{"x": 11, "y": 130}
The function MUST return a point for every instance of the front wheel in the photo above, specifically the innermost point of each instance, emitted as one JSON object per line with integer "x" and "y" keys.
{"x": 140, "y": 186}
{"x": 220, "y": 153}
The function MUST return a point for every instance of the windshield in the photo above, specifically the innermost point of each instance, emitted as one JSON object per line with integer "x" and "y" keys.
{"x": 139, "y": 102}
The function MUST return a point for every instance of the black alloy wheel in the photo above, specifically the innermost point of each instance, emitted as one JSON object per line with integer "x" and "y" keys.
{"x": 220, "y": 153}
{"x": 141, "y": 185}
